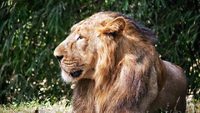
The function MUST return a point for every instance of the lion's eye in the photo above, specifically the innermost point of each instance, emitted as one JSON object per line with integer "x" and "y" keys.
{"x": 114, "y": 34}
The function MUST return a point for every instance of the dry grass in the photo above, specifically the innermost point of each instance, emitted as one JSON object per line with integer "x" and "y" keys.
{"x": 193, "y": 106}
{"x": 35, "y": 107}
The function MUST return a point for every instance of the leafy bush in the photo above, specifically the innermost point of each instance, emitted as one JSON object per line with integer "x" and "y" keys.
{"x": 30, "y": 30}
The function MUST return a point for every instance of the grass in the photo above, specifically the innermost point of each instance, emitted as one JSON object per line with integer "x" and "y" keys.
{"x": 193, "y": 106}
{"x": 36, "y": 107}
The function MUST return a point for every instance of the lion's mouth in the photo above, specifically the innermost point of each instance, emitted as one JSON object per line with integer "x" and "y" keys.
{"x": 76, "y": 73}
{"x": 72, "y": 71}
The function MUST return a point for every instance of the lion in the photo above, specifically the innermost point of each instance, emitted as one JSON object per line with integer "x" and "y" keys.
{"x": 114, "y": 67}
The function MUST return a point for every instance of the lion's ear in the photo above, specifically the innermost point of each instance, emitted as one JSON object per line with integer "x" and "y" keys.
{"x": 115, "y": 26}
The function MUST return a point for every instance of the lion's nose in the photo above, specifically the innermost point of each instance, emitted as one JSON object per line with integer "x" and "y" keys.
{"x": 59, "y": 58}
{"x": 58, "y": 53}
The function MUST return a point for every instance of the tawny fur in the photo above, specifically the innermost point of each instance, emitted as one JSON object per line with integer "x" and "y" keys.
{"x": 122, "y": 72}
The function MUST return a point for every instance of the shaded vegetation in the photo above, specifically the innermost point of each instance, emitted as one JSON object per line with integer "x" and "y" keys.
{"x": 31, "y": 29}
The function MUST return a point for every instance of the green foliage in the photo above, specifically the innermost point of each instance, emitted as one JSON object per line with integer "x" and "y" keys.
{"x": 31, "y": 29}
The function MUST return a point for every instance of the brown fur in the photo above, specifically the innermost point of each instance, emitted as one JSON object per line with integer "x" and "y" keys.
{"x": 122, "y": 72}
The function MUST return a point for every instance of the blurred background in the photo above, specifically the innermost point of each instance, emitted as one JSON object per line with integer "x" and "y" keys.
{"x": 31, "y": 29}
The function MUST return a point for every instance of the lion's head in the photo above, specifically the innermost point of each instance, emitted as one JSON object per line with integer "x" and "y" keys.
{"x": 96, "y": 45}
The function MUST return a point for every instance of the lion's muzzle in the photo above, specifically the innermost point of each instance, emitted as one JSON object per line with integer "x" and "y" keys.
{"x": 73, "y": 68}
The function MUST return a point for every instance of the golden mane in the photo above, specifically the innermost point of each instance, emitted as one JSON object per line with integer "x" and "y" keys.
{"x": 116, "y": 69}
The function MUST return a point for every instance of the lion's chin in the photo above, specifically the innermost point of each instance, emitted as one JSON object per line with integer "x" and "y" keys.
{"x": 66, "y": 77}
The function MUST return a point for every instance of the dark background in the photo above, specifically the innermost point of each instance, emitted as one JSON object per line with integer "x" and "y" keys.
{"x": 31, "y": 29}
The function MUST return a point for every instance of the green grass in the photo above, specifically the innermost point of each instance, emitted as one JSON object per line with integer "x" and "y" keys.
{"x": 193, "y": 106}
